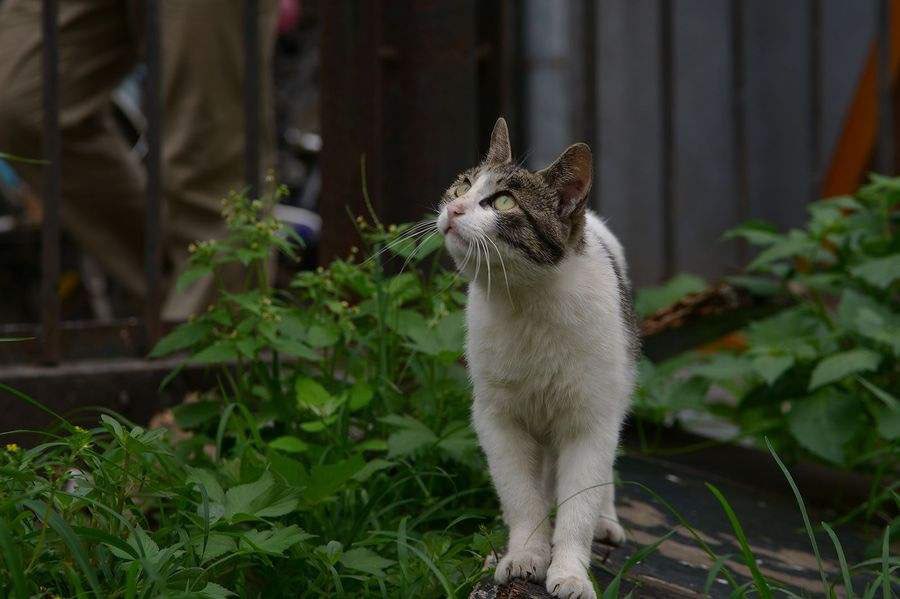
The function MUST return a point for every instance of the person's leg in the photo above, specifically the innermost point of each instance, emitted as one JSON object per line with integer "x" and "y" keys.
{"x": 203, "y": 141}
{"x": 101, "y": 181}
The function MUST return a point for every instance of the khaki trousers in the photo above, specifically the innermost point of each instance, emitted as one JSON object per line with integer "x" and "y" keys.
{"x": 203, "y": 123}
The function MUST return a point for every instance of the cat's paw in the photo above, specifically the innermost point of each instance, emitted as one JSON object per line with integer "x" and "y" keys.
{"x": 609, "y": 532}
{"x": 569, "y": 583}
{"x": 529, "y": 563}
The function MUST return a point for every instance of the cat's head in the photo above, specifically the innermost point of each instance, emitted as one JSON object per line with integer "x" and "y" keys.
{"x": 517, "y": 222}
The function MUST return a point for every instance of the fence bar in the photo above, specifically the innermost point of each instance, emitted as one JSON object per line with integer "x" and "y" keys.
{"x": 739, "y": 116}
{"x": 153, "y": 225}
{"x": 667, "y": 167}
{"x": 885, "y": 160}
{"x": 251, "y": 96}
{"x": 815, "y": 98}
{"x": 52, "y": 145}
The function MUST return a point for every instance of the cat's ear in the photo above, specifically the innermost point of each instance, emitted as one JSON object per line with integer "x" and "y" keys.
{"x": 570, "y": 176}
{"x": 500, "y": 151}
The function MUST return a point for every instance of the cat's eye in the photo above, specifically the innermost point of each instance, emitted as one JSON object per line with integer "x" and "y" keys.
{"x": 504, "y": 202}
{"x": 461, "y": 189}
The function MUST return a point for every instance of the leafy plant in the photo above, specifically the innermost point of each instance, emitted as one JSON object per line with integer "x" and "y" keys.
{"x": 820, "y": 377}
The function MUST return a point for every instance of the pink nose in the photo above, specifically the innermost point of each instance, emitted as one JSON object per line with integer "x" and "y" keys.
{"x": 457, "y": 210}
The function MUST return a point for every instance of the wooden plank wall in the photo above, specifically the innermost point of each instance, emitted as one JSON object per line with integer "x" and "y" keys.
{"x": 675, "y": 226}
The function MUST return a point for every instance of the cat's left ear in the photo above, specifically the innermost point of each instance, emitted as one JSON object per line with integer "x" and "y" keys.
{"x": 500, "y": 151}
{"x": 570, "y": 176}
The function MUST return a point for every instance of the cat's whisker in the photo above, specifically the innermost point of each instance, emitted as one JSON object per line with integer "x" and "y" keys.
{"x": 487, "y": 263}
{"x": 460, "y": 269}
{"x": 416, "y": 249}
{"x": 415, "y": 230}
{"x": 503, "y": 268}
{"x": 477, "y": 259}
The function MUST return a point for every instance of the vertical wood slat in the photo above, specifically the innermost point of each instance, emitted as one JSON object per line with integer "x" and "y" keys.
{"x": 815, "y": 97}
{"x": 153, "y": 216}
{"x": 52, "y": 149}
{"x": 251, "y": 96}
{"x": 739, "y": 116}
{"x": 667, "y": 106}
{"x": 629, "y": 130}
{"x": 886, "y": 151}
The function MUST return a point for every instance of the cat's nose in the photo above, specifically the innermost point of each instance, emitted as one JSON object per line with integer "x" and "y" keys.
{"x": 457, "y": 210}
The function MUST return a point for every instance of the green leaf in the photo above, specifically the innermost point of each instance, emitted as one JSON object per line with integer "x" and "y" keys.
{"x": 412, "y": 436}
{"x": 458, "y": 440}
{"x": 244, "y": 499}
{"x": 869, "y": 318}
{"x": 366, "y": 560}
{"x": 888, "y": 423}
{"x": 191, "y": 415}
{"x": 824, "y": 422}
{"x": 182, "y": 337}
{"x": 371, "y": 467}
{"x": 770, "y": 367}
{"x": 836, "y": 367}
{"x": 295, "y": 348}
{"x": 289, "y": 444}
{"x": 215, "y": 591}
{"x": 325, "y": 480}
{"x": 795, "y": 243}
{"x": 191, "y": 275}
{"x": 323, "y": 335}
{"x": 652, "y": 299}
{"x": 879, "y": 272}
{"x": 311, "y": 394}
{"x": 360, "y": 395}
{"x": 220, "y": 351}
{"x": 274, "y": 541}
{"x": 208, "y": 480}
{"x": 757, "y": 232}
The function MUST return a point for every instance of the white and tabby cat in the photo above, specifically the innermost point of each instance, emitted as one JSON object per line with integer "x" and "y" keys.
{"x": 551, "y": 353}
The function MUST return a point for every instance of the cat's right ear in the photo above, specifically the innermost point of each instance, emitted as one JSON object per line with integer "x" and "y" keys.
{"x": 500, "y": 151}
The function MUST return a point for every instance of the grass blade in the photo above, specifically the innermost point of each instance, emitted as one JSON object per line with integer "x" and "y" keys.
{"x": 55, "y": 521}
{"x": 845, "y": 570}
{"x": 802, "y": 506}
{"x": 885, "y": 554}
{"x": 442, "y": 578}
{"x": 13, "y": 561}
{"x": 34, "y": 403}
{"x": 762, "y": 587}
{"x": 714, "y": 571}
{"x": 612, "y": 591}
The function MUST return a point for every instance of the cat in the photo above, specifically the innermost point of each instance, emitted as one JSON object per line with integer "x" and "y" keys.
{"x": 551, "y": 348}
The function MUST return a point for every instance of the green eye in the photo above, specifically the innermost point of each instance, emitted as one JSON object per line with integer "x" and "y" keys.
{"x": 461, "y": 189}
{"x": 504, "y": 203}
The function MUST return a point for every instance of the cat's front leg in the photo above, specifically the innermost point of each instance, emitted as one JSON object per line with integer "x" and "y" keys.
{"x": 584, "y": 468}
{"x": 515, "y": 462}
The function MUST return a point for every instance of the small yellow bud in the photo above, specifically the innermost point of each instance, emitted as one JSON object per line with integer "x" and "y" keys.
{"x": 12, "y": 447}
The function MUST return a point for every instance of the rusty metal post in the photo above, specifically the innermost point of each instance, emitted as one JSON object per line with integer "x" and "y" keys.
{"x": 251, "y": 96}
{"x": 885, "y": 159}
{"x": 153, "y": 224}
{"x": 50, "y": 236}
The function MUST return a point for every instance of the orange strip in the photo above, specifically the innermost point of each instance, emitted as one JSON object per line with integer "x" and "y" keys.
{"x": 857, "y": 142}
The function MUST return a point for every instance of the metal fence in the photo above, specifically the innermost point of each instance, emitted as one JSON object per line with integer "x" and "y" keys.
{"x": 589, "y": 89}
{"x": 50, "y": 326}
